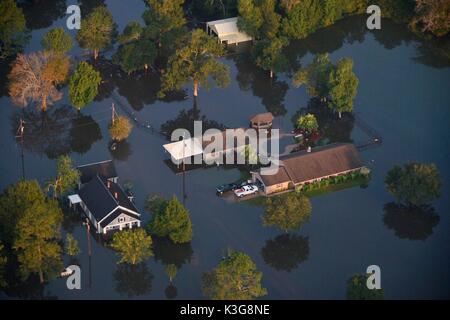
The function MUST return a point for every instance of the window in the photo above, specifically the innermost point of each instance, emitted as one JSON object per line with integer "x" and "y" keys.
{"x": 121, "y": 219}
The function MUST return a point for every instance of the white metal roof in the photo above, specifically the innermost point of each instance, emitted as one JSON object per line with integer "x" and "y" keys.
{"x": 74, "y": 198}
{"x": 227, "y": 29}
{"x": 192, "y": 147}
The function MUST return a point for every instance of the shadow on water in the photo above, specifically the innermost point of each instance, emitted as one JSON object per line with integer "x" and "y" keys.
{"x": 133, "y": 280}
{"x": 285, "y": 252}
{"x": 168, "y": 252}
{"x": 412, "y": 223}
{"x": 120, "y": 150}
{"x": 84, "y": 133}
{"x": 42, "y": 14}
{"x": 171, "y": 291}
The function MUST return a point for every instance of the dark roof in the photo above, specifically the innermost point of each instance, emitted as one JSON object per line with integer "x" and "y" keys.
{"x": 115, "y": 214}
{"x": 102, "y": 197}
{"x": 262, "y": 117}
{"x": 105, "y": 169}
{"x": 320, "y": 162}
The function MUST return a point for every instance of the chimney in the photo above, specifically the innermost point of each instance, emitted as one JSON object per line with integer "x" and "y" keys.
{"x": 309, "y": 149}
{"x": 116, "y": 195}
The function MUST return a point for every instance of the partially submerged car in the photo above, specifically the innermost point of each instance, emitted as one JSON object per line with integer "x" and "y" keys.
{"x": 246, "y": 190}
{"x": 225, "y": 188}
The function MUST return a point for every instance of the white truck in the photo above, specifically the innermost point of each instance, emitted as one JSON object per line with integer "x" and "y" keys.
{"x": 246, "y": 190}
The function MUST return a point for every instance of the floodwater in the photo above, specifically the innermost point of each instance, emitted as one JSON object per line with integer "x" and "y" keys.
{"x": 403, "y": 94}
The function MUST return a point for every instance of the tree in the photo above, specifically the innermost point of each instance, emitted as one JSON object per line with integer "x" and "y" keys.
{"x": 97, "y": 31}
{"x": 72, "y": 248}
{"x": 14, "y": 201}
{"x": 343, "y": 85}
{"x": 67, "y": 177}
{"x": 36, "y": 244}
{"x": 3, "y": 261}
{"x": 414, "y": 183}
{"x": 302, "y": 18}
{"x": 235, "y": 278}
{"x": 136, "y": 55}
{"x": 308, "y": 122}
{"x": 196, "y": 61}
{"x": 165, "y": 23}
{"x": 35, "y": 76}
{"x": 57, "y": 40}
{"x": 133, "y": 246}
{"x": 171, "y": 271}
{"x": 83, "y": 85}
{"x": 287, "y": 212}
{"x": 315, "y": 76}
{"x": 357, "y": 289}
{"x": 12, "y": 28}
{"x": 172, "y": 221}
{"x": 120, "y": 129}
{"x": 268, "y": 55}
{"x": 432, "y": 16}
{"x": 258, "y": 18}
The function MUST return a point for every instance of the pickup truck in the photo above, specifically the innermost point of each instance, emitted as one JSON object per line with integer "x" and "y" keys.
{"x": 246, "y": 190}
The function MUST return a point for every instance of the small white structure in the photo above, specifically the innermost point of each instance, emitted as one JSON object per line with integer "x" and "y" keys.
{"x": 185, "y": 148}
{"x": 227, "y": 31}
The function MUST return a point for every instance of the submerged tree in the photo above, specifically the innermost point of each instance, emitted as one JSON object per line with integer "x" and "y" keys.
{"x": 259, "y": 19}
{"x": 97, "y": 31}
{"x": 343, "y": 85}
{"x": 307, "y": 122}
{"x": 357, "y": 289}
{"x": 287, "y": 212}
{"x": 57, "y": 40}
{"x": 171, "y": 271}
{"x": 67, "y": 177}
{"x": 135, "y": 55}
{"x": 414, "y": 183}
{"x": 268, "y": 55}
{"x": 172, "y": 220}
{"x": 196, "y": 61}
{"x": 433, "y": 16}
{"x": 35, "y": 76}
{"x": 3, "y": 261}
{"x": 235, "y": 278}
{"x": 133, "y": 246}
{"x": 36, "y": 244}
{"x": 71, "y": 245}
{"x": 120, "y": 129}
{"x": 12, "y": 28}
{"x": 83, "y": 85}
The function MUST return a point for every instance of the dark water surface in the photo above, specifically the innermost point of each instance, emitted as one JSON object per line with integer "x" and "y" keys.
{"x": 403, "y": 94}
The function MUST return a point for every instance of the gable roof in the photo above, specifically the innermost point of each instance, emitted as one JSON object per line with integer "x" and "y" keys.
{"x": 262, "y": 117}
{"x": 323, "y": 161}
{"x": 115, "y": 214}
{"x": 102, "y": 197}
{"x": 105, "y": 169}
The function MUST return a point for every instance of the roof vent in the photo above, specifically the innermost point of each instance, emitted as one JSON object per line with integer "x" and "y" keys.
{"x": 116, "y": 195}
{"x": 108, "y": 183}
{"x": 309, "y": 149}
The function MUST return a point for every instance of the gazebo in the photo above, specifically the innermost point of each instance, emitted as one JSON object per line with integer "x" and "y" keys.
{"x": 262, "y": 121}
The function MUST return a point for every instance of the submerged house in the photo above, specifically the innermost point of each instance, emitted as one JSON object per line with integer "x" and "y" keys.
{"x": 104, "y": 202}
{"x": 308, "y": 166}
{"x": 227, "y": 31}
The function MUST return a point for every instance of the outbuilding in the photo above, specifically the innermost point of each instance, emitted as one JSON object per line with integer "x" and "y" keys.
{"x": 227, "y": 31}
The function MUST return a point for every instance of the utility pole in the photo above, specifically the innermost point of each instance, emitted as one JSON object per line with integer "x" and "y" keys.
{"x": 19, "y": 134}
{"x": 113, "y": 109}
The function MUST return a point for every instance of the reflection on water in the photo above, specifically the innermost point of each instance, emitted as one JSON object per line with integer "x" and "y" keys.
{"x": 171, "y": 291}
{"x": 133, "y": 280}
{"x": 42, "y": 14}
{"x": 84, "y": 133}
{"x": 413, "y": 223}
{"x": 286, "y": 251}
{"x": 168, "y": 252}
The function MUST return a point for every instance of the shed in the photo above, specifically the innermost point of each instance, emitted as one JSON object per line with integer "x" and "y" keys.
{"x": 183, "y": 149}
{"x": 227, "y": 31}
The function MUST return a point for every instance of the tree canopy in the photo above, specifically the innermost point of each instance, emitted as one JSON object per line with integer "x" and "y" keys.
{"x": 135, "y": 55}
{"x": 35, "y": 76}
{"x": 235, "y": 278}
{"x": 83, "y": 85}
{"x": 37, "y": 235}
{"x": 307, "y": 122}
{"x": 3, "y": 261}
{"x": 268, "y": 55}
{"x": 57, "y": 40}
{"x": 12, "y": 28}
{"x": 133, "y": 245}
{"x": 171, "y": 219}
{"x": 120, "y": 129}
{"x": 258, "y": 18}
{"x": 433, "y": 16}
{"x": 414, "y": 183}
{"x": 196, "y": 61}
{"x": 97, "y": 31}
{"x": 357, "y": 289}
{"x": 287, "y": 212}
{"x": 67, "y": 177}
